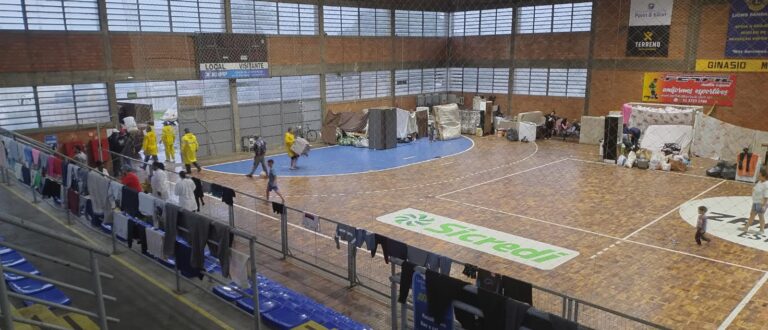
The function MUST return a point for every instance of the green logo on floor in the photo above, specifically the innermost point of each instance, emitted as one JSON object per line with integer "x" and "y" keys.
{"x": 518, "y": 249}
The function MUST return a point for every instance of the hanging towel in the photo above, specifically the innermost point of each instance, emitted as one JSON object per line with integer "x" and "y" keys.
{"x": 344, "y": 232}
{"x": 445, "y": 265}
{"x": 216, "y": 190}
{"x": 146, "y": 204}
{"x": 517, "y": 290}
{"x": 311, "y": 222}
{"x": 494, "y": 307}
{"x": 239, "y": 268}
{"x": 396, "y": 249}
{"x": 36, "y": 157}
{"x": 99, "y": 189}
{"x": 277, "y": 208}
{"x": 154, "y": 242}
{"x": 379, "y": 240}
{"x": 227, "y": 196}
{"x": 441, "y": 291}
{"x": 198, "y": 227}
{"x": 516, "y": 313}
{"x": 182, "y": 255}
{"x": 488, "y": 281}
{"x": 137, "y": 232}
{"x": 129, "y": 202}
{"x": 158, "y": 217}
{"x": 73, "y": 202}
{"x": 470, "y": 271}
{"x": 120, "y": 225}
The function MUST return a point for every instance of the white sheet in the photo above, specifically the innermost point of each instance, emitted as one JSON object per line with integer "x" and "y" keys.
{"x": 655, "y": 136}
{"x": 448, "y": 121}
{"x": 406, "y": 123}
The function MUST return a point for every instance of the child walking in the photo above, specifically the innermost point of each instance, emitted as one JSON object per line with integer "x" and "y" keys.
{"x": 701, "y": 225}
{"x": 272, "y": 183}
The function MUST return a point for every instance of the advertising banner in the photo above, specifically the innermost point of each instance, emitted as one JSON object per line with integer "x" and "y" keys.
{"x": 231, "y": 56}
{"x": 689, "y": 88}
{"x": 732, "y": 65}
{"x": 421, "y": 320}
{"x": 747, "y": 29}
{"x": 649, "y": 22}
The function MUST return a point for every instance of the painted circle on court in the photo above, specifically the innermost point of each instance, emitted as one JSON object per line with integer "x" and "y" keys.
{"x": 726, "y": 217}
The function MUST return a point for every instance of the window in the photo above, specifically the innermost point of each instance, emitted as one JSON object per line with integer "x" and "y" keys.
{"x": 61, "y": 15}
{"x": 18, "y": 108}
{"x": 197, "y": 15}
{"x": 479, "y": 80}
{"x": 64, "y": 105}
{"x": 567, "y": 17}
{"x": 267, "y": 17}
{"x": 418, "y": 81}
{"x": 300, "y": 87}
{"x": 213, "y": 91}
{"x": 410, "y": 23}
{"x": 161, "y": 95}
{"x": 551, "y": 82}
{"x": 352, "y": 21}
{"x": 138, "y": 15}
{"x": 355, "y": 86}
{"x": 258, "y": 90}
{"x": 482, "y": 22}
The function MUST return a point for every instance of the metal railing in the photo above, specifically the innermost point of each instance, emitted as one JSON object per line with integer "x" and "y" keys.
{"x": 286, "y": 235}
{"x": 92, "y": 269}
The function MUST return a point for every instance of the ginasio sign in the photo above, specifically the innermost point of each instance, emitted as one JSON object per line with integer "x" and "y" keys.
{"x": 515, "y": 248}
{"x": 726, "y": 217}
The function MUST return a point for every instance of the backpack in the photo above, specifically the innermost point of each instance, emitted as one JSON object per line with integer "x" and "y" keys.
{"x": 259, "y": 148}
{"x": 512, "y": 135}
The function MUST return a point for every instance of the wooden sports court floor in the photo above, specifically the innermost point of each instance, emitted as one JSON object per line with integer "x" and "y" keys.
{"x": 637, "y": 255}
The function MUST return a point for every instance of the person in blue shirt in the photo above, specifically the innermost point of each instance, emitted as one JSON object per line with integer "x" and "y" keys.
{"x": 272, "y": 182}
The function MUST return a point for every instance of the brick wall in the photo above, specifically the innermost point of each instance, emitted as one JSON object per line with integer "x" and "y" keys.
{"x": 50, "y": 51}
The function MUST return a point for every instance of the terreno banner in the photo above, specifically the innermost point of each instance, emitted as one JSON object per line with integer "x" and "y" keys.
{"x": 732, "y": 65}
{"x": 748, "y": 29}
{"x": 689, "y": 88}
{"x": 515, "y": 248}
{"x": 649, "y": 22}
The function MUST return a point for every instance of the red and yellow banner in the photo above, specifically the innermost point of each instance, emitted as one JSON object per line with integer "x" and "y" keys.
{"x": 689, "y": 88}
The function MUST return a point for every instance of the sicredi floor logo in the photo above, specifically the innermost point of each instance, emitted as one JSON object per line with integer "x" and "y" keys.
{"x": 515, "y": 248}
{"x": 726, "y": 217}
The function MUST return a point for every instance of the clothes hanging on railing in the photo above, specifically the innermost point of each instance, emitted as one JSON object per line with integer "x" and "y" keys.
{"x": 170, "y": 228}
{"x": 146, "y": 204}
{"x": 417, "y": 256}
{"x": 51, "y": 189}
{"x": 406, "y": 278}
{"x": 311, "y": 222}
{"x": 277, "y": 208}
{"x": 239, "y": 266}
{"x": 129, "y": 201}
{"x": 206, "y": 186}
{"x": 98, "y": 186}
{"x": 395, "y": 248}
{"x": 198, "y": 192}
{"x": 154, "y": 242}
{"x": 470, "y": 271}
{"x": 345, "y": 233}
{"x": 227, "y": 196}
{"x": 379, "y": 240}
{"x": 182, "y": 256}
{"x": 27, "y": 151}
{"x": 35, "y": 157}
{"x": 488, "y": 281}
{"x": 216, "y": 190}
{"x": 158, "y": 216}
{"x": 198, "y": 227}
{"x": 220, "y": 233}
{"x": 73, "y": 202}
{"x": 137, "y": 232}
{"x": 441, "y": 291}
{"x": 120, "y": 225}
{"x": 26, "y": 176}
{"x": 517, "y": 290}
{"x": 363, "y": 236}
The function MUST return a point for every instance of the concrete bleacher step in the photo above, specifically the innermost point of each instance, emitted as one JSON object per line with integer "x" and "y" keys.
{"x": 41, "y": 313}
{"x": 80, "y": 322}
{"x": 18, "y": 325}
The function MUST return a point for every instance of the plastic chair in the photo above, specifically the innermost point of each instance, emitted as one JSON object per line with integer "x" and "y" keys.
{"x": 28, "y": 286}
{"x": 227, "y": 292}
{"x": 53, "y": 295}
{"x": 24, "y": 267}
{"x": 283, "y": 318}
{"x": 265, "y": 305}
{"x": 11, "y": 259}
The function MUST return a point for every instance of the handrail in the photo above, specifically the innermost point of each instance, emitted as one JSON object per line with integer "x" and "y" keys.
{"x": 53, "y": 259}
{"x": 33, "y": 227}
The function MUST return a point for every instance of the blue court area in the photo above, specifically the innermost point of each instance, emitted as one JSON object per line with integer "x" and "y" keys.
{"x": 339, "y": 160}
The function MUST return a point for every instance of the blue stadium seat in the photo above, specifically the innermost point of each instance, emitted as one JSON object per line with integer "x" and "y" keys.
{"x": 5, "y": 250}
{"x": 53, "y": 295}
{"x": 24, "y": 267}
{"x": 28, "y": 286}
{"x": 210, "y": 266}
{"x": 227, "y": 292}
{"x": 265, "y": 305}
{"x": 107, "y": 228}
{"x": 283, "y": 318}
{"x": 11, "y": 259}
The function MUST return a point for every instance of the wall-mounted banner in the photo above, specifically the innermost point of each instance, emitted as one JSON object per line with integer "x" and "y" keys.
{"x": 689, "y": 88}
{"x": 732, "y": 65}
{"x": 748, "y": 29}
{"x": 234, "y": 70}
{"x": 231, "y": 56}
{"x": 649, "y": 22}
{"x": 515, "y": 248}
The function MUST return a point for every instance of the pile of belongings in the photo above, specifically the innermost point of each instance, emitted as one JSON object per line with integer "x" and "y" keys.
{"x": 724, "y": 169}
{"x": 667, "y": 160}
{"x": 671, "y": 149}
{"x": 351, "y": 139}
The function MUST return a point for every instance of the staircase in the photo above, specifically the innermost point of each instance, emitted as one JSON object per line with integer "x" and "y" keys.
{"x": 42, "y": 314}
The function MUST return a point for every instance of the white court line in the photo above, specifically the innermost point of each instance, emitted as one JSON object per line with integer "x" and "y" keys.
{"x": 409, "y": 157}
{"x": 607, "y": 236}
{"x": 673, "y": 210}
{"x": 659, "y": 171}
{"x": 501, "y": 178}
{"x": 743, "y": 303}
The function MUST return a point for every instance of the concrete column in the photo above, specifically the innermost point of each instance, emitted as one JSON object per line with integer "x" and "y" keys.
{"x": 235, "y": 113}
{"x": 110, "y": 74}
{"x": 590, "y": 59}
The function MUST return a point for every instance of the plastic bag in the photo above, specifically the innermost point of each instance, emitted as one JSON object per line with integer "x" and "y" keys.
{"x": 631, "y": 158}
{"x": 666, "y": 167}
{"x": 622, "y": 159}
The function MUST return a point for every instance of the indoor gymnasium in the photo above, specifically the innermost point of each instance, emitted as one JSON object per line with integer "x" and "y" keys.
{"x": 338, "y": 164}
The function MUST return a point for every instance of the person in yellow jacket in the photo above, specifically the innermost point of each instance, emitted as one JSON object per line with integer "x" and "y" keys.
{"x": 149, "y": 145}
{"x": 289, "y": 140}
{"x": 189, "y": 151}
{"x": 168, "y": 137}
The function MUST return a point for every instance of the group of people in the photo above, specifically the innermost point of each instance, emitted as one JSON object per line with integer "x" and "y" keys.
{"x": 259, "y": 148}
{"x": 552, "y": 127}
{"x": 128, "y": 144}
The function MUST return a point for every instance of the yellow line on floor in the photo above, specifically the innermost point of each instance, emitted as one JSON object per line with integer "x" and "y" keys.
{"x": 126, "y": 264}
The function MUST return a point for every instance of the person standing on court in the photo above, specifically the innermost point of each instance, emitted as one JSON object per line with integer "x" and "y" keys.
{"x": 759, "y": 202}
{"x": 149, "y": 145}
{"x": 289, "y": 140}
{"x": 185, "y": 189}
{"x": 701, "y": 225}
{"x": 159, "y": 181}
{"x": 189, "y": 148}
{"x": 259, "y": 151}
{"x": 168, "y": 136}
